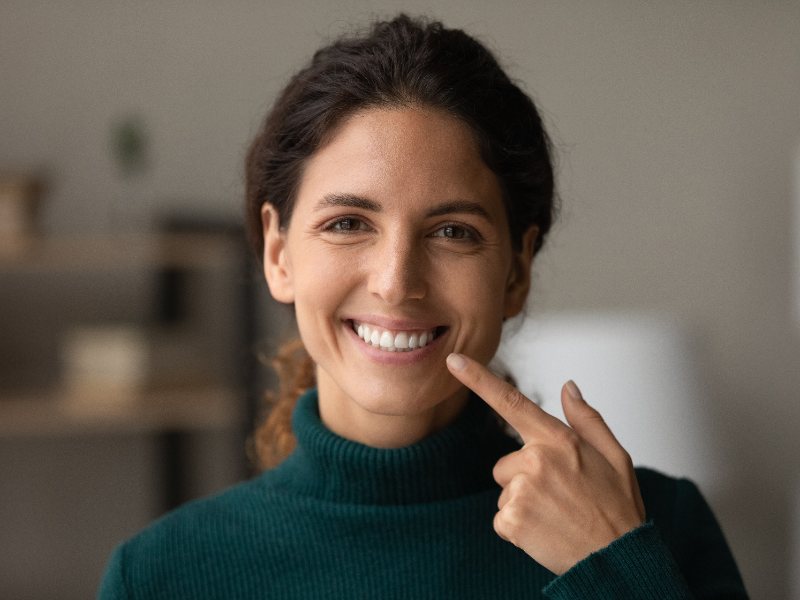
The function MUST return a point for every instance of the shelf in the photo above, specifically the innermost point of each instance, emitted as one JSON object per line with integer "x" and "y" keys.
{"x": 181, "y": 250}
{"x": 48, "y": 413}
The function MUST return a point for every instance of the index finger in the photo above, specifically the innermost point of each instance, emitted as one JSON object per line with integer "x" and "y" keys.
{"x": 511, "y": 404}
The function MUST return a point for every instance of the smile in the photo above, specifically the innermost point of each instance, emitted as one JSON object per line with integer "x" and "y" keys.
{"x": 394, "y": 341}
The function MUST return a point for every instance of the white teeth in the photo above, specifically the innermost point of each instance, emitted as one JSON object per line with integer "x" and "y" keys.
{"x": 387, "y": 340}
{"x": 401, "y": 341}
{"x": 393, "y": 342}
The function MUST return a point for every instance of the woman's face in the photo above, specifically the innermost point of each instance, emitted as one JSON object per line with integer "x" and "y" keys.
{"x": 399, "y": 234}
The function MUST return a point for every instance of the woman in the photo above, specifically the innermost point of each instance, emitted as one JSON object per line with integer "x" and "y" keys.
{"x": 397, "y": 194}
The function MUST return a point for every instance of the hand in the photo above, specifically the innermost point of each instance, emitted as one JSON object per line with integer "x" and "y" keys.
{"x": 570, "y": 490}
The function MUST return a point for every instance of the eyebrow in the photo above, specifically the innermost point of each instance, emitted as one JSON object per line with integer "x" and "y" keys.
{"x": 460, "y": 206}
{"x": 350, "y": 200}
{"x": 453, "y": 206}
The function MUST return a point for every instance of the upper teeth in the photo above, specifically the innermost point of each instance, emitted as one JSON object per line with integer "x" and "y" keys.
{"x": 393, "y": 341}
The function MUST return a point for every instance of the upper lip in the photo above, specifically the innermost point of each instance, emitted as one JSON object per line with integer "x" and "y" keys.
{"x": 394, "y": 323}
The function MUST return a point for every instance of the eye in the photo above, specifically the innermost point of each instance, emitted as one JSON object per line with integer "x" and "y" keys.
{"x": 345, "y": 225}
{"x": 456, "y": 232}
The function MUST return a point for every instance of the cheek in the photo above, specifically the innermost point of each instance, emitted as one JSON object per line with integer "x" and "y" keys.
{"x": 316, "y": 270}
{"x": 476, "y": 294}
{"x": 478, "y": 283}
{"x": 322, "y": 282}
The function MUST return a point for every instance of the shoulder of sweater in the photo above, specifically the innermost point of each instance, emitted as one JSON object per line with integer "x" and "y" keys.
{"x": 212, "y": 517}
{"x": 676, "y": 506}
{"x": 661, "y": 491}
{"x": 236, "y": 524}
{"x": 656, "y": 483}
{"x": 688, "y": 526}
{"x": 666, "y": 494}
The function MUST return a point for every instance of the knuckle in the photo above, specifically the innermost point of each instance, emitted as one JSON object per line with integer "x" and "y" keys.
{"x": 501, "y": 501}
{"x": 497, "y": 472}
{"x": 474, "y": 374}
{"x": 512, "y": 398}
{"x": 620, "y": 458}
{"x": 591, "y": 412}
{"x": 499, "y": 525}
{"x": 534, "y": 461}
{"x": 570, "y": 450}
{"x": 519, "y": 484}
{"x": 506, "y": 523}
{"x": 502, "y": 468}
{"x": 567, "y": 438}
{"x": 594, "y": 419}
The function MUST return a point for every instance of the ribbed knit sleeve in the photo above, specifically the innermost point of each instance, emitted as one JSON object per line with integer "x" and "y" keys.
{"x": 637, "y": 565}
{"x": 113, "y": 585}
{"x": 680, "y": 553}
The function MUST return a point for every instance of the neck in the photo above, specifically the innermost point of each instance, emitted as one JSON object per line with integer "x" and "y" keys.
{"x": 394, "y": 426}
{"x": 452, "y": 463}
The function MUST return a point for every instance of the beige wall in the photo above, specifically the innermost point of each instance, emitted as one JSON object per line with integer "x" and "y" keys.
{"x": 676, "y": 124}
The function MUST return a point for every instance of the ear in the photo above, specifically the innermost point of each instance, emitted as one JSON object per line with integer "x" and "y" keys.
{"x": 277, "y": 269}
{"x": 519, "y": 277}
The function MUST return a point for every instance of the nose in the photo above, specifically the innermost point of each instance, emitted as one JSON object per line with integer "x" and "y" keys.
{"x": 397, "y": 271}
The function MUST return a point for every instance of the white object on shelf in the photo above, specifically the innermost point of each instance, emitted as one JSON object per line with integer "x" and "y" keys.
{"x": 639, "y": 371}
{"x": 104, "y": 361}
{"x": 104, "y": 366}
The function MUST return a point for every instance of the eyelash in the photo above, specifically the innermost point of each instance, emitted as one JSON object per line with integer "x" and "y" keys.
{"x": 463, "y": 233}
{"x": 332, "y": 226}
{"x": 468, "y": 234}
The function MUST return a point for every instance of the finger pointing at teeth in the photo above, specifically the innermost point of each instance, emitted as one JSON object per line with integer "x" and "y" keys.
{"x": 521, "y": 413}
{"x": 571, "y": 489}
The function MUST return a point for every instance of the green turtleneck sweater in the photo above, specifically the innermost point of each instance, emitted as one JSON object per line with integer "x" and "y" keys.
{"x": 338, "y": 519}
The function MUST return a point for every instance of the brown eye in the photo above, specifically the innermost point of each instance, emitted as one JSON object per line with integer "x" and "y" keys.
{"x": 345, "y": 225}
{"x": 455, "y": 232}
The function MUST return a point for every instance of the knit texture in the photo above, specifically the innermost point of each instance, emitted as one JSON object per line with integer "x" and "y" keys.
{"x": 338, "y": 519}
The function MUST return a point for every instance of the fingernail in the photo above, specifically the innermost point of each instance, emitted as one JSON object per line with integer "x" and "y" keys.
{"x": 574, "y": 391}
{"x": 456, "y": 361}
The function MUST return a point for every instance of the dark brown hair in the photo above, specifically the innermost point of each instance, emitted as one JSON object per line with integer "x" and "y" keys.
{"x": 401, "y": 62}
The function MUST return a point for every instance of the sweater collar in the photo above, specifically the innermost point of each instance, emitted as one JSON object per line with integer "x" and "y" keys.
{"x": 450, "y": 463}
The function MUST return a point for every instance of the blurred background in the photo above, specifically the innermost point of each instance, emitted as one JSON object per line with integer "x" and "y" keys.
{"x": 131, "y": 316}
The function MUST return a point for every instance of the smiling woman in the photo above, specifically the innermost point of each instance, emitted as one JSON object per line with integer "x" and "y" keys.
{"x": 395, "y": 220}
{"x": 397, "y": 195}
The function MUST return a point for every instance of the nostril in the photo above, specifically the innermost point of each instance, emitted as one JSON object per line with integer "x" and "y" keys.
{"x": 398, "y": 278}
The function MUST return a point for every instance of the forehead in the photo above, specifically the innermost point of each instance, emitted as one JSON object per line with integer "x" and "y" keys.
{"x": 401, "y": 157}
{"x": 394, "y": 131}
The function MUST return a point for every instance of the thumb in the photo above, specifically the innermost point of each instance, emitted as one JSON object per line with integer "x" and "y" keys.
{"x": 588, "y": 422}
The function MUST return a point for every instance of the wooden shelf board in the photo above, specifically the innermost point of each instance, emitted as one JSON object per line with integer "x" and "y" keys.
{"x": 50, "y": 413}
{"x": 186, "y": 250}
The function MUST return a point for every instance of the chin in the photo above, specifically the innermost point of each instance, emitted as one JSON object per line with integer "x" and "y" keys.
{"x": 407, "y": 398}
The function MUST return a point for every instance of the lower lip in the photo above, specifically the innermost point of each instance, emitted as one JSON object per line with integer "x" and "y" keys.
{"x": 385, "y": 357}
